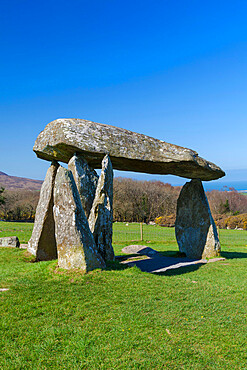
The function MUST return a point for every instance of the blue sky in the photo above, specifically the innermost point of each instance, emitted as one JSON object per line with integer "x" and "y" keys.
{"x": 175, "y": 70}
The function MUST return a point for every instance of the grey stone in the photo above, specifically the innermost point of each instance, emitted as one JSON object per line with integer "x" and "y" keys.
{"x": 75, "y": 243}
{"x": 139, "y": 249}
{"x": 10, "y": 241}
{"x": 43, "y": 243}
{"x": 101, "y": 215}
{"x": 195, "y": 229}
{"x": 86, "y": 180}
{"x": 128, "y": 150}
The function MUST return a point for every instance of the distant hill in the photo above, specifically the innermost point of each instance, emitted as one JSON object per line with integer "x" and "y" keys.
{"x": 15, "y": 183}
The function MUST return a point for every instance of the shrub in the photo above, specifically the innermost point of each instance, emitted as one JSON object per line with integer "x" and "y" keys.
{"x": 166, "y": 221}
{"x": 231, "y": 222}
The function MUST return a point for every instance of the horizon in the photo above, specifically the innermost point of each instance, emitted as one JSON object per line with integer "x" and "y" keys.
{"x": 220, "y": 184}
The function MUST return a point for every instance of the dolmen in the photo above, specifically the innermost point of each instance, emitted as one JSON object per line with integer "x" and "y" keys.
{"x": 73, "y": 221}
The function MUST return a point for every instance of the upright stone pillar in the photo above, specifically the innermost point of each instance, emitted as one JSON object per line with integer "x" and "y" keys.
{"x": 86, "y": 180}
{"x": 75, "y": 243}
{"x": 101, "y": 215}
{"x": 195, "y": 229}
{"x": 43, "y": 243}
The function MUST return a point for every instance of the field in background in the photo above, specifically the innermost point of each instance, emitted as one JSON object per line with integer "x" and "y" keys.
{"x": 161, "y": 237}
{"x": 121, "y": 231}
{"x": 21, "y": 229}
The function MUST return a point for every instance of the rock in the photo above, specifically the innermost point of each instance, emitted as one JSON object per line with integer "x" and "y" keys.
{"x": 75, "y": 243}
{"x": 10, "y": 241}
{"x": 86, "y": 180}
{"x": 43, "y": 243}
{"x": 128, "y": 150}
{"x": 195, "y": 229}
{"x": 139, "y": 249}
{"x": 101, "y": 215}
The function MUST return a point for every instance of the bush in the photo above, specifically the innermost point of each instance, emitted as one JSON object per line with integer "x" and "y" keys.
{"x": 231, "y": 222}
{"x": 166, "y": 221}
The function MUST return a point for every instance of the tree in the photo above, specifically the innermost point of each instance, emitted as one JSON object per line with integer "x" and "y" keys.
{"x": 142, "y": 201}
{"x": 227, "y": 201}
{"x": 2, "y": 198}
{"x": 19, "y": 204}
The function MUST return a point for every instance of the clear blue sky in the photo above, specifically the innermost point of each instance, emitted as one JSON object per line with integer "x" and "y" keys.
{"x": 175, "y": 70}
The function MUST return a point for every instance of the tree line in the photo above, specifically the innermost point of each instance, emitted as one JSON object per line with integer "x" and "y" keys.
{"x": 18, "y": 205}
{"x": 142, "y": 201}
{"x": 133, "y": 201}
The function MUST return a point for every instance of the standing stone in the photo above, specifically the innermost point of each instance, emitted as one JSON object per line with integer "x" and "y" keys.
{"x": 101, "y": 215}
{"x": 75, "y": 243}
{"x": 43, "y": 243}
{"x": 195, "y": 229}
{"x": 86, "y": 180}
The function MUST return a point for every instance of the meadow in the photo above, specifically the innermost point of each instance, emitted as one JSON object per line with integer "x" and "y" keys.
{"x": 122, "y": 318}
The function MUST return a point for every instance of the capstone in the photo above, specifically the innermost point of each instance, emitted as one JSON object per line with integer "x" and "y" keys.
{"x": 128, "y": 150}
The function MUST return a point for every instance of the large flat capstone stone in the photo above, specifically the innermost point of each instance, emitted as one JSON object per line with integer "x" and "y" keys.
{"x": 128, "y": 150}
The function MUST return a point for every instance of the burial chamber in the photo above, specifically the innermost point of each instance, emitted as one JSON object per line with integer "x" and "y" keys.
{"x": 74, "y": 216}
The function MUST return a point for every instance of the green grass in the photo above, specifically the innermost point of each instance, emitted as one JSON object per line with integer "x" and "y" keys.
{"x": 131, "y": 232}
{"x": 118, "y": 318}
{"x": 20, "y": 229}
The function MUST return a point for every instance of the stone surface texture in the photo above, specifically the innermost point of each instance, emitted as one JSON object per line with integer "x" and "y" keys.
{"x": 86, "y": 180}
{"x": 10, "y": 241}
{"x": 101, "y": 215}
{"x": 75, "y": 243}
{"x": 139, "y": 249}
{"x": 195, "y": 229}
{"x": 43, "y": 243}
{"x": 128, "y": 150}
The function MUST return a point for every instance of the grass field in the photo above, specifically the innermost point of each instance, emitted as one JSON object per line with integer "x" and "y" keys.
{"x": 122, "y": 318}
{"x": 121, "y": 231}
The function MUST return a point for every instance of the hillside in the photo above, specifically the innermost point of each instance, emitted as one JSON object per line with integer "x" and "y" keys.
{"x": 14, "y": 182}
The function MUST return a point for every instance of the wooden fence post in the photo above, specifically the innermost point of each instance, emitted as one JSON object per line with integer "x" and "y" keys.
{"x": 141, "y": 229}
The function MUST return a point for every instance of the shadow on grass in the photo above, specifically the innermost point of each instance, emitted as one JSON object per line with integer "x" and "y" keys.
{"x": 126, "y": 257}
{"x": 169, "y": 263}
{"x": 232, "y": 255}
{"x": 175, "y": 254}
{"x": 116, "y": 266}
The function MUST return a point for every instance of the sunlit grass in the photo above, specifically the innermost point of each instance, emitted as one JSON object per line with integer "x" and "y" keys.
{"x": 122, "y": 318}
{"x": 21, "y": 229}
